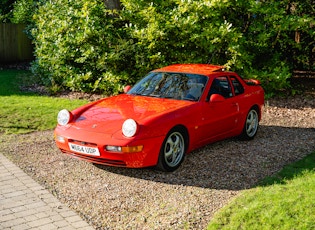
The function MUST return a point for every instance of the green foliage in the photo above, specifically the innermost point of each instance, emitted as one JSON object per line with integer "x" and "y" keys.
{"x": 23, "y": 11}
{"x": 78, "y": 46}
{"x": 6, "y": 7}
{"x": 281, "y": 31}
{"x": 17, "y": 11}
{"x": 181, "y": 32}
{"x": 84, "y": 46}
{"x": 274, "y": 78}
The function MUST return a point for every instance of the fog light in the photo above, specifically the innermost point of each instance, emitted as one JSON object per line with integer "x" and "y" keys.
{"x": 60, "y": 139}
{"x": 113, "y": 148}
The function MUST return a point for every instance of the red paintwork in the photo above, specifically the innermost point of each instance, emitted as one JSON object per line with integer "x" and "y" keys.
{"x": 99, "y": 123}
{"x": 203, "y": 69}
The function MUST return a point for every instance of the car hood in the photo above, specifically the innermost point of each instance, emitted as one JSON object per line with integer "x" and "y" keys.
{"x": 107, "y": 115}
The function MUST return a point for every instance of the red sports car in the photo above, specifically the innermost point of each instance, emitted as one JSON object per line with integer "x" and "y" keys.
{"x": 170, "y": 112}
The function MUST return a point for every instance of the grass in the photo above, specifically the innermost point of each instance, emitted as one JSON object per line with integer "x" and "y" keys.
{"x": 284, "y": 201}
{"x": 23, "y": 112}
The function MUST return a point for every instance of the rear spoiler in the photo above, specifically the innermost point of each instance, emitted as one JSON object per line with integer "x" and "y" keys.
{"x": 252, "y": 82}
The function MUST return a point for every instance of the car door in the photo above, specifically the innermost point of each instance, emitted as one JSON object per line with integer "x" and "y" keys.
{"x": 220, "y": 111}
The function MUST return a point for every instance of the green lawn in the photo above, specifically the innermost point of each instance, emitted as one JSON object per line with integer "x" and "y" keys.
{"x": 285, "y": 201}
{"x": 23, "y": 112}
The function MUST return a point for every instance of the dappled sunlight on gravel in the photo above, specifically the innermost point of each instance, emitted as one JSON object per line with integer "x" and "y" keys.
{"x": 119, "y": 198}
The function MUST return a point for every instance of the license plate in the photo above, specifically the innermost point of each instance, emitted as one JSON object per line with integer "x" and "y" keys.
{"x": 84, "y": 149}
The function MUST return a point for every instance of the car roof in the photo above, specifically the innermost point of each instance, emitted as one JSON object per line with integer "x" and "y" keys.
{"x": 204, "y": 69}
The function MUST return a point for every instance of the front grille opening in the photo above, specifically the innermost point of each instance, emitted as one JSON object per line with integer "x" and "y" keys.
{"x": 88, "y": 144}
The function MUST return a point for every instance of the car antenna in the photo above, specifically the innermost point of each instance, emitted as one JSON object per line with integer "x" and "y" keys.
{"x": 210, "y": 59}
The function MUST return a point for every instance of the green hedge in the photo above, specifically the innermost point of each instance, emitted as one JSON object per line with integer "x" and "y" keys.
{"x": 77, "y": 46}
{"x": 80, "y": 45}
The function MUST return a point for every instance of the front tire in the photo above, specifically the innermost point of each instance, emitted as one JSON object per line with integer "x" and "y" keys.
{"x": 172, "y": 152}
{"x": 251, "y": 125}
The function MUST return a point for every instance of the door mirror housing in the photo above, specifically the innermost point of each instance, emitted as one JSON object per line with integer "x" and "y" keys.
{"x": 216, "y": 98}
{"x": 127, "y": 88}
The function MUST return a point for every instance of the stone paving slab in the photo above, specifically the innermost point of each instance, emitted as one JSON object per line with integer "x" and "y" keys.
{"x": 24, "y": 204}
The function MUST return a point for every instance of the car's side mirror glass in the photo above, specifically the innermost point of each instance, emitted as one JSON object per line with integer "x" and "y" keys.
{"x": 127, "y": 88}
{"x": 216, "y": 98}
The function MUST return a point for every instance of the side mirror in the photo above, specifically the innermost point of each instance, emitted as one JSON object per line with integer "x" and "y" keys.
{"x": 216, "y": 98}
{"x": 127, "y": 88}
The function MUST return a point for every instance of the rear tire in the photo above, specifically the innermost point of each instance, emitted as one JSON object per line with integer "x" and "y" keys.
{"x": 172, "y": 152}
{"x": 251, "y": 125}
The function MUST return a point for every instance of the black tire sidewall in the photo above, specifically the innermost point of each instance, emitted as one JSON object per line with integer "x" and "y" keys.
{"x": 244, "y": 135}
{"x": 162, "y": 165}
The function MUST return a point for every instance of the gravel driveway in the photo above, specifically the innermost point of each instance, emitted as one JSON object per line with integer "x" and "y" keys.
{"x": 118, "y": 198}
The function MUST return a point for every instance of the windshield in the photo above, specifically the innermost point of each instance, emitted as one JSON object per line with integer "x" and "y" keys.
{"x": 178, "y": 86}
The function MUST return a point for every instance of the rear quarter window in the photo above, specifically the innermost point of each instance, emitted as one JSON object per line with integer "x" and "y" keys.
{"x": 238, "y": 87}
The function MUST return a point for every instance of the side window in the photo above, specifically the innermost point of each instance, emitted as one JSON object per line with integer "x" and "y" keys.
{"x": 238, "y": 88}
{"x": 220, "y": 85}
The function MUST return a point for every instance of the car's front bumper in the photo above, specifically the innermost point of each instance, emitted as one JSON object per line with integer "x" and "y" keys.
{"x": 148, "y": 156}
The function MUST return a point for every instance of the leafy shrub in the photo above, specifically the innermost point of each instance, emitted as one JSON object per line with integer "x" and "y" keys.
{"x": 181, "y": 32}
{"x": 78, "y": 46}
{"x": 81, "y": 45}
{"x": 5, "y": 10}
{"x": 23, "y": 11}
{"x": 274, "y": 78}
{"x": 242, "y": 35}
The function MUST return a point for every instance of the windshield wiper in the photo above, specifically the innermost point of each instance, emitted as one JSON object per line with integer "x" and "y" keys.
{"x": 153, "y": 95}
{"x": 189, "y": 99}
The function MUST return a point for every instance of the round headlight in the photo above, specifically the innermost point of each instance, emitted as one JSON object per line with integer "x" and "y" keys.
{"x": 129, "y": 128}
{"x": 63, "y": 117}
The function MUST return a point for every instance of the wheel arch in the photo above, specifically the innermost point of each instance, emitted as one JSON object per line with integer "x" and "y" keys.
{"x": 258, "y": 110}
{"x": 162, "y": 163}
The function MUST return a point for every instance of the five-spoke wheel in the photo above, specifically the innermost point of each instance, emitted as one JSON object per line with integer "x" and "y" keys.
{"x": 172, "y": 152}
{"x": 251, "y": 124}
